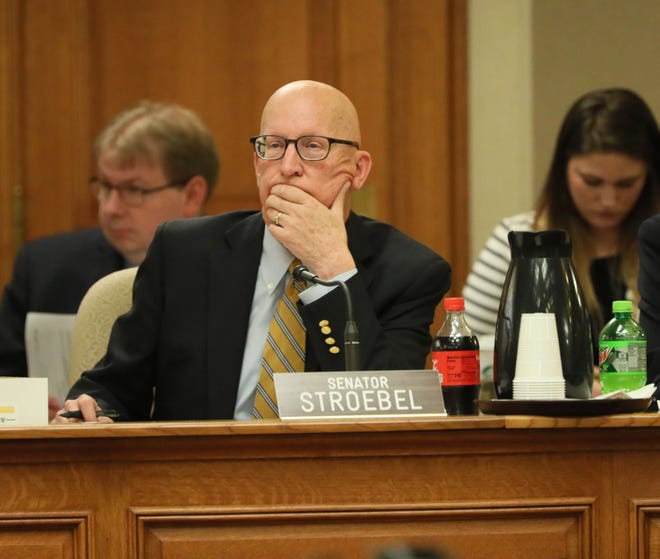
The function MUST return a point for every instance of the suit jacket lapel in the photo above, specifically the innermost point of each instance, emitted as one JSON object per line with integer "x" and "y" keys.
{"x": 233, "y": 274}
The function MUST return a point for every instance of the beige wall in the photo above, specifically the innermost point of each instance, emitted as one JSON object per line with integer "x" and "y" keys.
{"x": 529, "y": 60}
{"x": 500, "y": 112}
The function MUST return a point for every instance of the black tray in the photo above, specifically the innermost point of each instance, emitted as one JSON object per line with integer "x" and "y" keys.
{"x": 565, "y": 408}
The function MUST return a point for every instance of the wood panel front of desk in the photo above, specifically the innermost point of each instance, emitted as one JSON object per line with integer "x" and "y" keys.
{"x": 491, "y": 487}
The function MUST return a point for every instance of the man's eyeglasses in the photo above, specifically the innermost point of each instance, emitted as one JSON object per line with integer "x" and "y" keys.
{"x": 130, "y": 194}
{"x": 309, "y": 148}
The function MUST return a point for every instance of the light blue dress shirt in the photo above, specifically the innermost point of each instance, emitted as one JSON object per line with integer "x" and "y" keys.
{"x": 272, "y": 277}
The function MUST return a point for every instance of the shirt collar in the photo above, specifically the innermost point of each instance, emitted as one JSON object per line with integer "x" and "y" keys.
{"x": 275, "y": 261}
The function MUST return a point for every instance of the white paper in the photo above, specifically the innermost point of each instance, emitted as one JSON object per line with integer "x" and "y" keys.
{"x": 48, "y": 348}
{"x": 643, "y": 392}
{"x": 23, "y": 401}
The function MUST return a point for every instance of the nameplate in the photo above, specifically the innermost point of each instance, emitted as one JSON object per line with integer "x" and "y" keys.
{"x": 23, "y": 401}
{"x": 363, "y": 394}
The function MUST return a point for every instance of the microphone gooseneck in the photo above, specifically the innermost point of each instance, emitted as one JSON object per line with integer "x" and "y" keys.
{"x": 351, "y": 334}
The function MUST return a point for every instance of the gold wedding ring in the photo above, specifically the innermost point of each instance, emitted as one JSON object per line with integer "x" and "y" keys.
{"x": 277, "y": 218}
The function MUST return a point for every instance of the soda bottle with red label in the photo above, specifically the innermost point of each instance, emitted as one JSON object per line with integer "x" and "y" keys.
{"x": 455, "y": 354}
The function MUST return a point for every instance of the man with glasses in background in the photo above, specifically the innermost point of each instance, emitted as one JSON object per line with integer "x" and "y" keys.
{"x": 154, "y": 162}
{"x": 211, "y": 290}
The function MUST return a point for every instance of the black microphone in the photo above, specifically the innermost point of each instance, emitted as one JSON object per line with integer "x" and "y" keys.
{"x": 351, "y": 334}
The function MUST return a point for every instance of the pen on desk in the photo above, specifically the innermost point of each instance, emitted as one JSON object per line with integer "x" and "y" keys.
{"x": 77, "y": 414}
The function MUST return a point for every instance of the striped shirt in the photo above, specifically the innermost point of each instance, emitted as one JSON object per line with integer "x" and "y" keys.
{"x": 483, "y": 288}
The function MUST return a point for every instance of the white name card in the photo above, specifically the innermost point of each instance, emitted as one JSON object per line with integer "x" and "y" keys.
{"x": 23, "y": 401}
{"x": 362, "y": 394}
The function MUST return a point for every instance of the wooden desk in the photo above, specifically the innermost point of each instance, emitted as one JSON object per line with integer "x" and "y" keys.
{"x": 496, "y": 487}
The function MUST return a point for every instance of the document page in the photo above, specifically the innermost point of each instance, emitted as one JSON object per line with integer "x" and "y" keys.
{"x": 48, "y": 347}
{"x": 23, "y": 401}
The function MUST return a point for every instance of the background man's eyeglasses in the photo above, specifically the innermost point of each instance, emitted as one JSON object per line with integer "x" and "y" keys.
{"x": 130, "y": 194}
{"x": 309, "y": 148}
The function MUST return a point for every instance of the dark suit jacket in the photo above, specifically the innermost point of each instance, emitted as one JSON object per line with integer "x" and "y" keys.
{"x": 192, "y": 296}
{"x": 649, "y": 289}
{"x": 51, "y": 274}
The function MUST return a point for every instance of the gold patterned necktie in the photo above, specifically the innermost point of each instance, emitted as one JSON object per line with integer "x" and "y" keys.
{"x": 284, "y": 350}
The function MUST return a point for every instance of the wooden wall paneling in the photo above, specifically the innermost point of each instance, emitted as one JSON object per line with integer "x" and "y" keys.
{"x": 563, "y": 529}
{"x": 428, "y": 72}
{"x": 421, "y": 157}
{"x": 221, "y": 59}
{"x": 362, "y": 73}
{"x": 458, "y": 136}
{"x": 56, "y": 139}
{"x": 402, "y": 63}
{"x": 257, "y": 57}
{"x": 644, "y": 525}
{"x": 86, "y": 61}
{"x": 82, "y": 136}
{"x": 44, "y": 536}
{"x": 10, "y": 137}
{"x": 636, "y": 505}
{"x": 322, "y": 40}
{"x": 514, "y": 487}
{"x": 405, "y": 58}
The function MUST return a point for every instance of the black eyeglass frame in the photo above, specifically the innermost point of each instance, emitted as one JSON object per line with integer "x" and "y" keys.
{"x": 294, "y": 141}
{"x": 96, "y": 184}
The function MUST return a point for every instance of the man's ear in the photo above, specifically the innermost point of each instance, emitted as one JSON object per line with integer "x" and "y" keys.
{"x": 196, "y": 191}
{"x": 362, "y": 169}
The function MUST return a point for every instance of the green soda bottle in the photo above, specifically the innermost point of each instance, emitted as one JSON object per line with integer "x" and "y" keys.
{"x": 622, "y": 351}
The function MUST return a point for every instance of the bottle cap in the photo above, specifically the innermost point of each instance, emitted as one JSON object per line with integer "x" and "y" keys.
{"x": 622, "y": 306}
{"x": 454, "y": 304}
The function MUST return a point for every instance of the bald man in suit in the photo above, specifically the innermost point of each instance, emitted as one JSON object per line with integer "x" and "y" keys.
{"x": 192, "y": 344}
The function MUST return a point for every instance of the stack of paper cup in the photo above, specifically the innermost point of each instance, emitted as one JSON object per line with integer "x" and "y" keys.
{"x": 538, "y": 361}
